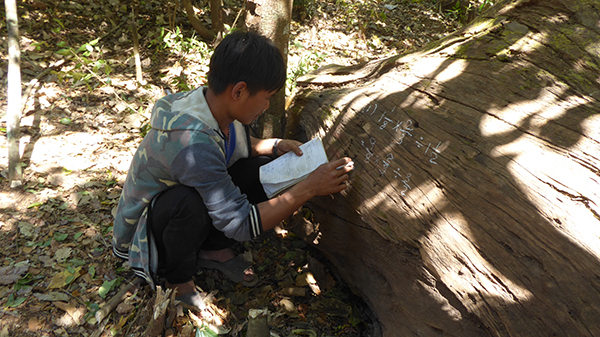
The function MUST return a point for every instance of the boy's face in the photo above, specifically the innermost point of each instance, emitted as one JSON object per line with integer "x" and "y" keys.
{"x": 252, "y": 106}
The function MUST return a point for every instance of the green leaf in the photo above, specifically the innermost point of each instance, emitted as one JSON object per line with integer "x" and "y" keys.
{"x": 93, "y": 307}
{"x": 77, "y": 262}
{"x": 64, "y": 278}
{"x": 77, "y": 235}
{"x": 28, "y": 278}
{"x": 60, "y": 23}
{"x": 92, "y": 271}
{"x": 290, "y": 255}
{"x": 69, "y": 279}
{"x": 60, "y": 237}
{"x": 12, "y": 302}
{"x": 62, "y": 44}
{"x": 106, "y": 287}
{"x": 65, "y": 121}
{"x": 107, "y": 230}
{"x": 35, "y": 204}
{"x": 64, "y": 52}
{"x": 204, "y": 331}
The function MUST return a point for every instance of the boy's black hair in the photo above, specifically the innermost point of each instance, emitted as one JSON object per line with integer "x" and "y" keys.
{"x": 248, "y": 57}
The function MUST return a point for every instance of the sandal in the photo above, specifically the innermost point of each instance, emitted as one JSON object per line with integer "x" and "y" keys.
{"x": 234, "y": 269}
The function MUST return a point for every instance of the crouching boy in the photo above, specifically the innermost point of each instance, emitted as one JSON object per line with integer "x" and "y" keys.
{"x": 193, "y": 189}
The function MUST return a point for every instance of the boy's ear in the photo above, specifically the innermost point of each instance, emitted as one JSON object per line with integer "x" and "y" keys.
{"x": 238, "y": 89}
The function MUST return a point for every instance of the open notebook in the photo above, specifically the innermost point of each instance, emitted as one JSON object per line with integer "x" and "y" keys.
{"x": 290, "y": 169}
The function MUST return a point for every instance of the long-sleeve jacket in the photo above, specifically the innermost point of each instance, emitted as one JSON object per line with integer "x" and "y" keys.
{"x": 184, "y": 146}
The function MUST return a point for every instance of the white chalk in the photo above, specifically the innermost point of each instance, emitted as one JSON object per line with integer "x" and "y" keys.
{"x": 342, "y": 166}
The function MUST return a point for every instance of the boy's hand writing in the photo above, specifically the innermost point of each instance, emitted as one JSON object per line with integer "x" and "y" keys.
{"x": 329, "y": 178}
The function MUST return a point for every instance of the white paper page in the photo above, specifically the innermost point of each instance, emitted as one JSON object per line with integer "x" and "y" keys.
{"x": 290, "y": 166}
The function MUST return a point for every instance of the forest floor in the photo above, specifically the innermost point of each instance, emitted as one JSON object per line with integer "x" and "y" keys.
{"x": 83, "y": 118}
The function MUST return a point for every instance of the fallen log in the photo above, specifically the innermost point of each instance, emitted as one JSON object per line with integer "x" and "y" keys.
{"x": 474, "y": 206}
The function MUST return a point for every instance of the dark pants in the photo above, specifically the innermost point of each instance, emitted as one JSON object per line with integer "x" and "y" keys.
{"x": 182, "y": 227}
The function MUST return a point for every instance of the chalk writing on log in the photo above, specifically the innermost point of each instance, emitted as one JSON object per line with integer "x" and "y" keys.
{"x": 432, "y": 152}
{"x": 405, "y": 181}
{"x": 386, "y": 120}
{"x": 369, "y": 148}
{"x": 400, "y": 130}
{"x": 403, "y": 130}
{"x": 386, "y": 163}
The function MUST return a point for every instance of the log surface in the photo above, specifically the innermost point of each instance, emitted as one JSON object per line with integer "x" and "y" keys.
{"x": 474, "y": 206}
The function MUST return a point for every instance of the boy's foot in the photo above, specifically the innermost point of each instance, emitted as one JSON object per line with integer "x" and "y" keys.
{"x": 181, "y": 288}
{"x": 188, "y": 295}
{"x": 234, "y": 267}
{"x": 193, "y": 301}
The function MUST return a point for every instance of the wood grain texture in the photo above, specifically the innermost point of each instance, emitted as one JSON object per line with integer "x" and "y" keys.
{"x": 474, "y": 206}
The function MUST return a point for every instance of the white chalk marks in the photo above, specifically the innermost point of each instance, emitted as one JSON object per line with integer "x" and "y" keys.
{"x": 402, "y": 131}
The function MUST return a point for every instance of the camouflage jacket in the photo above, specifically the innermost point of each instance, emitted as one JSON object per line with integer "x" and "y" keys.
{"x": 184, "y": 146}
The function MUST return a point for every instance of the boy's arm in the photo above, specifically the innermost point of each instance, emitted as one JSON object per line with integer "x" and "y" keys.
{"x": 326, "y": 179}
{"x": 272, "y": 146}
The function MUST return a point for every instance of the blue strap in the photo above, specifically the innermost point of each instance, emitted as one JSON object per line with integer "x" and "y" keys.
{"x": 230, "y": 143}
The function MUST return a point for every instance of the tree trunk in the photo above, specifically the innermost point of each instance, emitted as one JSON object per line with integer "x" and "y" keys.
{"x": 271, "y": 18}
{"x": 204, "y": 32}
{"x": 474, "y": 206}
{"x": 13, "y": 108}
{"x": 139, "y": 77}
{"x": 216, "y": 16}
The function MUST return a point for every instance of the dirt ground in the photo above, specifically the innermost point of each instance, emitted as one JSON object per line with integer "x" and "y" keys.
{"x": 84, "y": 115}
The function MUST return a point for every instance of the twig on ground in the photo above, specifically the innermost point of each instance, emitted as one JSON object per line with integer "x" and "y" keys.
{"x": 118, "y": 298}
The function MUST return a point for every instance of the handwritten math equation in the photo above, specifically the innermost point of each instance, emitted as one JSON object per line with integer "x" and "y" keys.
{"x": 402, "y": 131}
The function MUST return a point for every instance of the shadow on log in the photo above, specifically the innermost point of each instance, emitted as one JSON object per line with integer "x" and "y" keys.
{"x": 474, "y": 206}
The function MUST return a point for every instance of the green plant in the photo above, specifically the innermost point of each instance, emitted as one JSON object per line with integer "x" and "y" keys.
{"x": 460, "y": 13}
{"x": 88, "y": 64}
{"x": 188, "y": 50}
{"x": 304, "y": 9}
{"x": 92, "y": 309}
{"x": 176, "y": 43}
{"x": 181, "y": 83}
{"x": 107, "y": 286}
{"x": 457, "y": 12}
{"x": 485, "y": 4}
{"x": 306, "y": 62}
{"x": 14, "y": 302}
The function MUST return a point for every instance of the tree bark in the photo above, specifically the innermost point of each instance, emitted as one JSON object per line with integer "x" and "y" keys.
{"x": 474, "y": 207}
{"x": 139, "y": 77}
{"x": 271, "y": 18}
{"x": 216, "y": 15}
{"x": 204, "y": 32}
{"x": 13, "y": 108}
